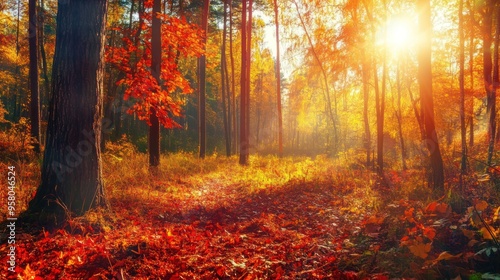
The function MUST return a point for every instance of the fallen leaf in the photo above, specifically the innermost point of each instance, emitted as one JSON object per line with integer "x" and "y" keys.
{"x": 420, "y": 250}
{"x": 486, "y": 234}
{"x": 444, "y": 256}
{"x": 481, "y": 205}
{"x": 429, "y": 233}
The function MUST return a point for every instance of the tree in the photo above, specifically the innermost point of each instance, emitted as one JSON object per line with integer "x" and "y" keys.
{"x": 154, "y": 128}
{"x": 278, "y": 81}
{"x": 33, "y": 72}
{"x": 426, "y": 97}
{"x": 244, "y": 94}
{"x": 202, "y": 83}
{"x": 463, "y": 129}
{"x": 71, "y": 169}
{"x": 179, "y": 40}
{"x": 331, "y": 115}
{"x": 226, "y": 105}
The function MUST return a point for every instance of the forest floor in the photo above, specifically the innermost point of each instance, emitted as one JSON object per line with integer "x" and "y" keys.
{"x": 290, "y": 218}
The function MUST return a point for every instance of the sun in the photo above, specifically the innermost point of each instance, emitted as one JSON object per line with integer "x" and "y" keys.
{"x": 400, "y": 33}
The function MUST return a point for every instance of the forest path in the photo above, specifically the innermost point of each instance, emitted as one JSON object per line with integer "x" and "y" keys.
{"x": 212, "y": 226}
{"x": 294, "y": 231}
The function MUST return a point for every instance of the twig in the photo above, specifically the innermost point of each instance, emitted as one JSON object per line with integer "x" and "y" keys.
{"x": 492, "y": 234}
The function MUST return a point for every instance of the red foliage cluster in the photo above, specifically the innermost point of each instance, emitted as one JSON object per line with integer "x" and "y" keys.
{"x": 133, "y": 58}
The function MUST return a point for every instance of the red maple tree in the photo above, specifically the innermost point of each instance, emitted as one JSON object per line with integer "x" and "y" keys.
{"x": 179, "y": 39}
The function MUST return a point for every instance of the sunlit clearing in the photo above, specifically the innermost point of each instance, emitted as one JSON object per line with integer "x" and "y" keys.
{"x": 400, "y": 33}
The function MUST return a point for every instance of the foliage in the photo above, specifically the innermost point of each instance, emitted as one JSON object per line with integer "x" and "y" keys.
{"x": 179, "y": 39}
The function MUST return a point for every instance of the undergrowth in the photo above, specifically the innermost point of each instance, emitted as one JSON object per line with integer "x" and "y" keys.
{"x": 290, "y": 218}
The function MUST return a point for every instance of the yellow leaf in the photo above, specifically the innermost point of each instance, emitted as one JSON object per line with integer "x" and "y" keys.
{"x": 420, "y": 250}
{"x": 481, "y": 205}
{"x": 496, "y": 216}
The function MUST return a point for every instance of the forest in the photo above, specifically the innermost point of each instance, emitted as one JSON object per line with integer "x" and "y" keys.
{"x": 249, "y": 139}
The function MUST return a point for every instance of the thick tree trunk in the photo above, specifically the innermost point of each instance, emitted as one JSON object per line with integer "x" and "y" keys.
{"x": 33, "y": 73}
{"x": 426, "y": 98}
{"x": 154, "y": 129}
{"x": 71, "y": 169}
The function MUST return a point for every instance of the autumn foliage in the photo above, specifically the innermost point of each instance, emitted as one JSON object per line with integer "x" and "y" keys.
{"x": 180, "y": 39}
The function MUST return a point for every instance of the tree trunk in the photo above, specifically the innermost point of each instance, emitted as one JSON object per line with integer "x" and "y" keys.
{"x": 471, "y": 75}
{"x": 243, "y": 88}
{"x": 463, "y": 130}
{"x": 492, "y": 94}
{"x": 366, "y": 96}
{"x": 202, "y": 84}
{"x": 233, "y": 78}
{"x": 278, "y": 81}
{"x": 71, "y": 170}
{"x": 399, "y": 117}
{"x": 426, "y": 98}
{"x": 33, "y": 73}
{"x": 380, "y": 108}
{"x": 223, "y": 71}
{"x": 43, "y": 56}
{"x": 154, "y": 129}
{"x": 248, "y": 79}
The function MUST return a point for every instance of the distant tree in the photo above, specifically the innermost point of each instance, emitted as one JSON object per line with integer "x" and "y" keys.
{"x": 278, "y": 81}
{"x": 202, "y": 62}
{"x": 154, "y": 128}
{"x": 164, "y": 96}
{"x": 244, "y": 81}
{"x": 233, "y": 79}
{"x": 33, "y": 72}
{"x": 225, "y": 92}
{"x": 71, "y": 169}
{"x": 461, "y": 78}
{"x": 426, "y": 97}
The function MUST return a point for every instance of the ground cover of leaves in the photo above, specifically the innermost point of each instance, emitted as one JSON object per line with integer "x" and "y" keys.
{"x": 276, "y": 219}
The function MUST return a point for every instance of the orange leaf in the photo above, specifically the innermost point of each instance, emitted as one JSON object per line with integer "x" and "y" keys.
{"x": 481, "y": 205}
{"x": 420, "y": 250}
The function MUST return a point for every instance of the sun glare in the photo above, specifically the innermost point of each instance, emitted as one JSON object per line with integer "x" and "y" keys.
{"x": 400, "y": 33}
